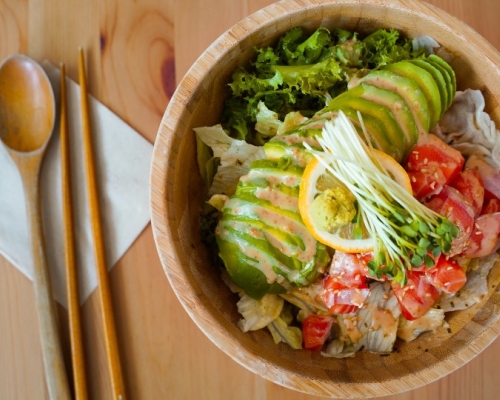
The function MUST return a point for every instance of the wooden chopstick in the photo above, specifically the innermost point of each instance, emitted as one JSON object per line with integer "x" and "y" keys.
{"x": 77, "y": 358}
{"x": 103, "y": 288}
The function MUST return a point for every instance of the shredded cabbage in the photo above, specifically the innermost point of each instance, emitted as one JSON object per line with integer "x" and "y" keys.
{"x": 282, "y": 332}
{"x": 235, "y": 158}
{"x": 257, "y": 314}
{"x": 469, "y": 129}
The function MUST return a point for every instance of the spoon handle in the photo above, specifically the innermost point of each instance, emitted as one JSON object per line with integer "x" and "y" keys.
{"x": 55, "y": 372}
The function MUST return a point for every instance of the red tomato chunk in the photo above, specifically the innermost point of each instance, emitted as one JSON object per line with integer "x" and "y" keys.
{"x": 431, "y": 165}
{"x": 451, "y": 204}
{"x": 491, "y": 206}
{"x": 417, "y": 296}
{"x": 490, "y": 177}
{"x": 485, "y": 237}
{"x": 315, "y": 330}
{"x": 345, "y": 288}
{"x": 469, "y": 184}
{"x": 447, "y": 275}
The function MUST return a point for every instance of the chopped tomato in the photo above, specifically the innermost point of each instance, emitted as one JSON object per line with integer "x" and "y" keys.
{"x": 417, "y": 296}
{"x": 447, "y": 275}
{"x": 485, "y": 237}
{"x": 451, "y": 204}
{"x": 432, "y": 164}
{"x": 347, "y": 271}
{"x": 342, "y": 296}
{"x": 345, "y": 288}
{"x": 342, "y": 309}
{"x": 489, "y": 175}
{"x": 426, "y": 183}
{"x": 491, "y": 206}
{"x": 469, "y": 184}
{"x": 315, "y": 331}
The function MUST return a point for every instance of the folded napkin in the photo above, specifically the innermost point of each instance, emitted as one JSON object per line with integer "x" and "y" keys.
{"x": 122, "y": 159}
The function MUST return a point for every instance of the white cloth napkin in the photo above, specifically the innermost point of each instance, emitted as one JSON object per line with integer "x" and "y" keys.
{"x": 122, "y": 163}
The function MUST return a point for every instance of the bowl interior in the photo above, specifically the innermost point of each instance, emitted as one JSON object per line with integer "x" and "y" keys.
{"x": 177, "y": 192}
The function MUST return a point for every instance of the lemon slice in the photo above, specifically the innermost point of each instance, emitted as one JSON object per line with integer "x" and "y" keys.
{"x": 316, "y": 179}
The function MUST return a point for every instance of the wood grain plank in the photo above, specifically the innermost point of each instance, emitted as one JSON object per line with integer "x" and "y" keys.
{"x": 56, "y": 28}
{"x": 21, "y": 366}
{"x": 210, "y": 18}
{"x": 13, "y": 27}
{"x": 137, "y": 64}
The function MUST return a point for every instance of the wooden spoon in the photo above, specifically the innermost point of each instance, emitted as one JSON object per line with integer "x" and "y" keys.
{"x": 27, "y": 114}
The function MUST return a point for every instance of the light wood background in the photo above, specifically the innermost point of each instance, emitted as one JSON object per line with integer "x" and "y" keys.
{"x": 137, "y": 50}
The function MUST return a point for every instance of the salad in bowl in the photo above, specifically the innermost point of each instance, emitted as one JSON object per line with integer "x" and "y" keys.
{"x": 354, "y": 193}
{"x": 323, "y": 195}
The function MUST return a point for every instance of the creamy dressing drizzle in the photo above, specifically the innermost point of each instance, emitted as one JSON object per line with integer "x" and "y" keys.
{"x": 273, "y": 177}
{"x": 382, "y": 318}
{"x": 288, "y": 249}
{"x": 300, "y": 155}
{"x": 257, "y": 258}
{"x": 243, "y": 226}
{"x": 278, "y": 221}
{"x": 295, "y": 138}
{"x": 428, "y": 322}
{"x": 350, "y": 323}
{"x": 278, "y": 198}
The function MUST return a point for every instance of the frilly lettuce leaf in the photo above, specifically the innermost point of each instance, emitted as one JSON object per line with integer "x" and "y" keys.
{"x": 384, "y": 47}
{"x": 297, "y": 51}
{"x": 314, "y": 79}
{"x": 302, "y": 69}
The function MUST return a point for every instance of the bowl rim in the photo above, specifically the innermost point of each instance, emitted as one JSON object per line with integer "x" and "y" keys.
{"x": 162, "y": 166}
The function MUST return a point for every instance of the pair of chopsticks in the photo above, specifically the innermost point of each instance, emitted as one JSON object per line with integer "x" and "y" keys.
{"x": 103, "y": 289}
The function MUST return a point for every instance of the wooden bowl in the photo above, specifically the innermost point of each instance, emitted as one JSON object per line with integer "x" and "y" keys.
{"x": 177, "y": 192}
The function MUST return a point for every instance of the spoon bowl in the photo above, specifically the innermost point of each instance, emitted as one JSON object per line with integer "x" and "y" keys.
{"x": 24, "y": 86}
{"x": 27, "y": 116}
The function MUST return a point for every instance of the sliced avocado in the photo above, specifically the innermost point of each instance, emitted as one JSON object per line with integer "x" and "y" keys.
{"x": 375, "y": 127}
{"x": 438, "y": 77}
{"x": 261, "y": 236}
{"x": 250, "y": 279}
{"x": 448, "y": 80}
{"x": 400, "y": 110}
{"x": 292, "y": 143}
{"x": 448, "y": 74}
{"x": 408, "y": 90}
{"x": 276, "y": 149}
{"x": 427, "y": 84}
{"x": 389, "y": 136}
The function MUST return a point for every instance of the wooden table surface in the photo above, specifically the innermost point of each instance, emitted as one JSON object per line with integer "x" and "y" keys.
{"x": 137, "y": 50}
